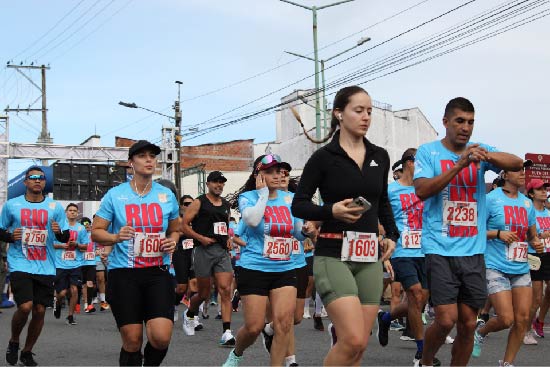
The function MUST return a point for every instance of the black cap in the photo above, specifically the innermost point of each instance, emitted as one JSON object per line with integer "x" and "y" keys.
{"x": 286, "y": 165}
{"x": 216, "y": 176}
{"x": 141, "y": 145}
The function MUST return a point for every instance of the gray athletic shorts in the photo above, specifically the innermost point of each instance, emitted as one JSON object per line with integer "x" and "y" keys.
{"x": 100, "y": 266}
{"x": 211, "y": 259}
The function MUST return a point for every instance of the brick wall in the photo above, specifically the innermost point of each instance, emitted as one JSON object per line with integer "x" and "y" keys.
{"x": 235, "y": 155}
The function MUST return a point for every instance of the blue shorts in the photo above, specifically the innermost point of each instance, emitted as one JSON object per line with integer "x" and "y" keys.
{"x": 410, "y": 271}
{"x": 498, "y": 281}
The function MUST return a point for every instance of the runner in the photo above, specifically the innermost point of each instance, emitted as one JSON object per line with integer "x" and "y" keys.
{"x": 300, "y": 266}
{"x": 30, "y": 223}
{"x": 140, "y": 220}
{"x": 448, "y": 177}
{"x": 408, "y": 260}
{"x": 68, "y": 260}
{"x": 536, "y": 190}
{"x": 182, "y": 260}
{"x": 510, "y": 224}
{"x": 88, "y": 269}
{"x": 209, "y": 215}
{"x": 351, "y": 174}
{"x": 101, "y": 255}
{"x": 265, "y": 269}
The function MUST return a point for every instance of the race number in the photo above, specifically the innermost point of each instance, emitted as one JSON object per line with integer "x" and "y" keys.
{"x": 34, "y": 237}
{"x": 517, "y": 251}
{"x": 68, "y": 255}
{"x": 89, "y": 256}
{"x": 187, "y": 244}
{"x": 277, "y": 248}
{"x": 411, "y": 239}
{"x": 460, "y": 213}
{"x": 360, "y": 247}
{"x": 148, "y": 244}
{"x": 220, "y": 228}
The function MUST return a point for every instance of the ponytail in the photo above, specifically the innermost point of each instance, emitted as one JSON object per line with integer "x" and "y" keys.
{"x": 334, "y": 123}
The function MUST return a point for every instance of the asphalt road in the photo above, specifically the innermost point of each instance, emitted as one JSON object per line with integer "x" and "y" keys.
{"x": 95, "y": 341}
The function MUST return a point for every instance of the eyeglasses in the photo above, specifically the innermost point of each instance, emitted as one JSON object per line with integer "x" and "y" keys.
{"x": 408, "y": 158}
{"x": 186, "y": 203}
{"x": 86, "y": 223}
{"x": 36, "y": 177}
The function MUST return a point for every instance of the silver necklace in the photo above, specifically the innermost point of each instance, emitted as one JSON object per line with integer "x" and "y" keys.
{"x": 143, "y": 192}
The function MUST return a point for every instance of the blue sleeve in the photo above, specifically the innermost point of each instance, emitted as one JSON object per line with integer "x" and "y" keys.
{"x": 240, "y": 228}
{"x": 60, "y": 217}
{"x": 106, "y": 210}
{"x": 488, "y": 166}
{"x": 5, "y": 217}
{"x": 298, "y": 224}
{"x": 531, "y": 215}
{"x": 423, "y": 166}
{"x": 83, "y": 236}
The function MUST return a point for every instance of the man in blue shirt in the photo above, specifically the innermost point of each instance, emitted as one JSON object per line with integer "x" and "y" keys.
{"x": 30, "y": 223}
{"x": 449, "y": 179}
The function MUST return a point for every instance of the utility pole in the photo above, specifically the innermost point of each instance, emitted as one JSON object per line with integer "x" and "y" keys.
{"x": 177, "y": 111}
{"x": 44, "y": 137}
{"x": 314, "y": 9}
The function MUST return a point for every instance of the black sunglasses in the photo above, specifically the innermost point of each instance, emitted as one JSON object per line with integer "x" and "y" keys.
{"x": 36, "y": 177}
{"x": 186, "y": 203}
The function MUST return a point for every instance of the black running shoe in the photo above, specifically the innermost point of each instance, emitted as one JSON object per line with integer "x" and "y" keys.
{"x": 267, "y": 341}
{"x": 12, "y": 353}
{"x": 26, "y": 359}
{"x": 418, "y": 360}
{"x": 71, "y": 320}
{"x": 57, "y": 310}
{"x": 383, "y": 328}
{"x": 318, "y": 323}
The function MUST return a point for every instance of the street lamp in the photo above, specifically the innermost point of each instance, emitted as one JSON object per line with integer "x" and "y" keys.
{"x": 360, "y": 42}
{"x": 177, "y": 120}
{"x": 314, "y": 9}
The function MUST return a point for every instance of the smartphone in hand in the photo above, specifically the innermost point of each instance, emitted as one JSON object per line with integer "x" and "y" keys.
{"x": 360, "y": 202}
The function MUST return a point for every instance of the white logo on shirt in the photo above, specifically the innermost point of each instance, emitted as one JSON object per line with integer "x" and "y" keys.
{"x": 373, "y": 164}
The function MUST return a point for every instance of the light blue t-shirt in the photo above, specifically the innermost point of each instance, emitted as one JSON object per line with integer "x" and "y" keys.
{"x": 407, "y": 211}
{"x": 543, "y": 225}
{"x": 277, "y": 222}
{"x": 151, "y": 213}
{"x": 450, "y": 233}
{"x": 80, "y": 235}
{"x": 20, "y": 213}
{"x": 507, "y": 214}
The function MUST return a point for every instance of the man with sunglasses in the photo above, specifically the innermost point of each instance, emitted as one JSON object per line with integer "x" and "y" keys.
{"x": 209, "y": 215}
{"x": 30, "y": 223}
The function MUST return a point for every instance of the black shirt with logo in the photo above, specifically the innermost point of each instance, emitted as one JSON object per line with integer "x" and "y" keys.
{"x": 208, "y": 214}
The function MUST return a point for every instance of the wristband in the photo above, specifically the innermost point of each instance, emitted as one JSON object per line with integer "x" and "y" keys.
{"x": 498, "y": 234}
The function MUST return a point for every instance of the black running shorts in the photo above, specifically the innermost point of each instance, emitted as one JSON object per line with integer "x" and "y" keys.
{"x": 139, "y": 295}
{"x": 32, "y": 287}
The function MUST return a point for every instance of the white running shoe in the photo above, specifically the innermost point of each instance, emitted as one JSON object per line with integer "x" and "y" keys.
{"x": 188, "y": 324}
{"x": 449, "y": 340}
{"x": 324, "y": 313}
{"x": 227, "y": 339}
{"x": 529, "y": 339}
{"x": 307, "y": 315}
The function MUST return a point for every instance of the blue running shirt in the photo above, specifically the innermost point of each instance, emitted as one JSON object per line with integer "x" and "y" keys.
{"x": 32, "y": 258}
{"x": 507, "y": 214}
{"x": 407, "y": 211}
{"x": 543, "y": 225}
{"x": 448, "y": 220}
{"x": 277, "y": 222}
{"x": 151, "y": 213}
{"x": 72, "y": 259}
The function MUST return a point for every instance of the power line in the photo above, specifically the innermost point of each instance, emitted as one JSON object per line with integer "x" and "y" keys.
{"x": 503, "y": 29}
{"x": 65, "y": 29}
{"x": 80, "y": 41}
{"x": 231, "y": 85}
{"x": 49, "y": 30}
{"x": 347, "y": 59}
{"x": 78, "y": 29}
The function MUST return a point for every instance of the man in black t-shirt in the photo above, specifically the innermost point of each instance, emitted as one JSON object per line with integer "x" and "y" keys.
{"x": 209, "y": 215}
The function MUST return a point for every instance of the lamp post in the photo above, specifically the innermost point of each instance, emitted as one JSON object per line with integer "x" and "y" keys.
{"x": 177, "y": 119}
{"x": 360, "y": 42}
{"x": 314, "y": 10}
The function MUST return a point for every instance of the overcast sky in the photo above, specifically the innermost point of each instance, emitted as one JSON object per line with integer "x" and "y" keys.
{"x": 105, "y": 51}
